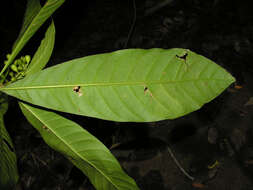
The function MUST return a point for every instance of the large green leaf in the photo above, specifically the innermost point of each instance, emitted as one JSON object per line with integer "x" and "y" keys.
{"x": 44, "y": 51}
{"x": 95, "y": 160}
{"x": 8, "y": 160}
{"x": 45, "y": 12}
{"x": 127, "y": 85}
{"x": 81, "y": 148}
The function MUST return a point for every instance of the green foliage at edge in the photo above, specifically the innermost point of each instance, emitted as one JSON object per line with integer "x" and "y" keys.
{"x": 8, "y": 160}
{"x": 45, "y": 12}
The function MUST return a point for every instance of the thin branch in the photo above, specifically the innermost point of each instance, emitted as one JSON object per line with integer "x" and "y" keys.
{"x": 158, "y": 7}
{"x": 132, "y": 26}
{"x": 179, "y": 166}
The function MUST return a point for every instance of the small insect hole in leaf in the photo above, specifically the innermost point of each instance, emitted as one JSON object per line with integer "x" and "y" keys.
{"x": 146, "y": 90}
{"x": 77, "y": 89}
{"x": 182, "y": 56}
{"x": 44, "y": 127}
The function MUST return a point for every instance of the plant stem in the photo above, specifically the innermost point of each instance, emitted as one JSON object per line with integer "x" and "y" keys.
{"x": 132, "y": 25}
{"x": 179, "y": 166}
{"x": 157, "y": 7}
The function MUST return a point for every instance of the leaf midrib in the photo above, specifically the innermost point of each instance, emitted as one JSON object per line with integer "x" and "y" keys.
{"x": 44, "y": 123}
{"x": 107, "y": 84}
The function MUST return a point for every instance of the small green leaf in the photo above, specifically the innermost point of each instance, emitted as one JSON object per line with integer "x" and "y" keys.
{"x": 32, "y": 9}
{"x": 8, "y": 160}
{"x": 81, "y": 148}
{"x": 127, "y": 85}
{"x": 44, "y": 51}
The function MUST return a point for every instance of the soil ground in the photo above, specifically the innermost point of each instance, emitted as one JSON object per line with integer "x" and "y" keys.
{"x": 214, "y": 144}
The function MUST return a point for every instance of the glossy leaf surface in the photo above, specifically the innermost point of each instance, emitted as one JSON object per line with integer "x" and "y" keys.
{"x": 127, "y": 85}
{"x": 81, "y": 148}
{"x": 8, "y": 160}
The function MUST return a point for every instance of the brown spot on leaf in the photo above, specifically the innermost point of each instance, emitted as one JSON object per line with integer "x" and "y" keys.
{"x": 45, "y": 127}
{"x": 77, "y": 89}
{"x": 183, "y": 57}
{"x": 146, "y": 90}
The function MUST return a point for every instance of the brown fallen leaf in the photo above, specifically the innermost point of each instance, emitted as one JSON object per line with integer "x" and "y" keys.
{"x": 248, "y": 162}
{"x": 249, "y": 102}
{"x": 198, "y": 185}
{"x": 237, "y": 87}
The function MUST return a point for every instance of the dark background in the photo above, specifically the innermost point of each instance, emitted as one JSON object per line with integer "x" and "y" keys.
{"x": 221, "y": 131}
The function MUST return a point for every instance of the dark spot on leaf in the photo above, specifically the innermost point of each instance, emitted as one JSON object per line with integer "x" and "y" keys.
{"x": 44, "y": 127}
{"x": 77, "y": 89}
{"x": 182, "y": 56}
{"x": 146, "y": 90}
{"x": 9, "y": 146}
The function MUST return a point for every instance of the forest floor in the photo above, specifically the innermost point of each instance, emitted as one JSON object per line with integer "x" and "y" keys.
{"x": 214, "y": 145}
